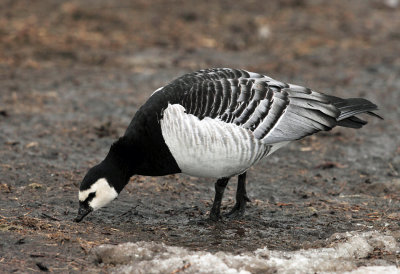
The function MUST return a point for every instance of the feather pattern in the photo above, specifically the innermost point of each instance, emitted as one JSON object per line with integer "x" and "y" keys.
{"x": 209, "y": 147}
{"x": 252, "y": 107}
{"x": 272, "y": 110}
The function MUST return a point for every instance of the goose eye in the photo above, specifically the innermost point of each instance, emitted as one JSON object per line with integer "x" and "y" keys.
{"x": 91, "y": 196}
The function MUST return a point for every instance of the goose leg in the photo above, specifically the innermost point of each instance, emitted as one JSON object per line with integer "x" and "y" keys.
{"x": 219, "y": 192}
{"x": 241, "y": 198}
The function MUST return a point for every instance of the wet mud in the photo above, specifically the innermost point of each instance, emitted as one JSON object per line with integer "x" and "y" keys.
{"x": 72, "y": 75}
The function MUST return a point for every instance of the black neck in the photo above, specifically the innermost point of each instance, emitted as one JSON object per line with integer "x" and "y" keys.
{"x": 154, "y": 157}
{"x": 126, "y": 155}
{"x": 122, "y": 161}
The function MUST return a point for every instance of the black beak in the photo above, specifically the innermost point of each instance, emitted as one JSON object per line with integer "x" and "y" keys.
{"x": 82, "y": 212}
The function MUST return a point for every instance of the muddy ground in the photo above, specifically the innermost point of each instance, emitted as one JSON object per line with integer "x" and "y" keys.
{"x": 73, "y": 73}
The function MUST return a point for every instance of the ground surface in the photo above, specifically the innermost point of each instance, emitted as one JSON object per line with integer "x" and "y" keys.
{"x": 72, "y": 74}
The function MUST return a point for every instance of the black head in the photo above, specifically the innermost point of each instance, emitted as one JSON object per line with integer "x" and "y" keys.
{"x": 104, "y": 182}
{"x": 100, "y": 186}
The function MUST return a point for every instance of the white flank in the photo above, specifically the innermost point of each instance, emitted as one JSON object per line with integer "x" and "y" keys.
{"x": 209, "y": 147}
{"x": 104, "y": 194}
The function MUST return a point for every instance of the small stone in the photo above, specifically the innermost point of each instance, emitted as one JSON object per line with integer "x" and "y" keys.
{"x": 391, "y": 3}
{"x": 35, "y": 186}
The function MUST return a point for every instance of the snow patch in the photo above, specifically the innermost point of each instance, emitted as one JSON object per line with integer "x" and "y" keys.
{"x": 344, "y": 253}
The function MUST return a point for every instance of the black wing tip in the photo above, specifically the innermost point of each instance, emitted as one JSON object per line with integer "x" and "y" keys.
{"x": 375, "y": 115}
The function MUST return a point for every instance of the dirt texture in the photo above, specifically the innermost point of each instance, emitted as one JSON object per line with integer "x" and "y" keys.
{"x": 73, "y": 73}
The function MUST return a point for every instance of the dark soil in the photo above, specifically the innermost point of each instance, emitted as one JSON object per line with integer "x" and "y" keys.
{"x": 73, "y": 73}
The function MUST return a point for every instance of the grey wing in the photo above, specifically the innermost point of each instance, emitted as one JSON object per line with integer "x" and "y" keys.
{"x": 295, "y": 113}
{"x": 274, "y": 111}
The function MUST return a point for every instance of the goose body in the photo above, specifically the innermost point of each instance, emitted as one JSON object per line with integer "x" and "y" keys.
{"x": 216, "y": 123}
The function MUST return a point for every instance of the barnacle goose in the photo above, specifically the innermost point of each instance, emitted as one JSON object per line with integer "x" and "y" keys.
{"x": 214, "y": 123}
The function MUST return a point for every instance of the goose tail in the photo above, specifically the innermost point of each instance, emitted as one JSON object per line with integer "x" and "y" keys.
{"x": 351, "y": 107}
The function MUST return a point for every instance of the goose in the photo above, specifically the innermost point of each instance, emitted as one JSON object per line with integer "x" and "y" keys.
{"x": 215, "y": 123}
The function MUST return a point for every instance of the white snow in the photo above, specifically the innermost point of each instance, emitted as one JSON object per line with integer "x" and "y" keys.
{"x": 344, "y": 253}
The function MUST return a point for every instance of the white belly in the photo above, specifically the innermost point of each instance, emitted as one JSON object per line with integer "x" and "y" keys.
{"x": 210, "y": 147}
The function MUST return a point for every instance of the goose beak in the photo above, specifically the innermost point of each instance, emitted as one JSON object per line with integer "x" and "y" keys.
{"x": 82, "y": 212}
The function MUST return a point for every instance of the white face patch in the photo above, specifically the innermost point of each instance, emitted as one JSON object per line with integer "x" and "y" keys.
{"x": 104, "y": 194}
